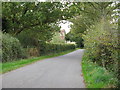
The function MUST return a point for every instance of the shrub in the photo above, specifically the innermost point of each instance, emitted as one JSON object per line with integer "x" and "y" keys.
{"x": 101, "y": 42}
{"x": 48, "y": 48}
{"x": 27, "y": 40}
{"x": 11, "y": 48}
{"x": 32, "y": 52}
{"x": 96, "y": 76}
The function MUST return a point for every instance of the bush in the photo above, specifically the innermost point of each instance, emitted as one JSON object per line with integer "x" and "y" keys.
{"x": 27, "y": 40}
{"x": 96, "y": 76}
{"x": 11, "y": 48}
{"x": 32, "y": 52}
{"x": 48, "y": 48}
{"x": 101, "y": 42}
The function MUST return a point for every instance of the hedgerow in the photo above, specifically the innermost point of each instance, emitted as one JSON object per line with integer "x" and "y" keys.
{"x": 96, "y": 76}
{"x": 101, "y": 42}
{"x": 48, "y": 48}
{"x": 13, "y": 50}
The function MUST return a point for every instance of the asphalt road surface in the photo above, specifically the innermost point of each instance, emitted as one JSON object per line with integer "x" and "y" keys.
{"x": 58, "y": 72}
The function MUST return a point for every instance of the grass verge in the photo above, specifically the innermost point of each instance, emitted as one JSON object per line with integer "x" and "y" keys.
{"x": 96, "y": 76}
{"x": 9, "y": 66}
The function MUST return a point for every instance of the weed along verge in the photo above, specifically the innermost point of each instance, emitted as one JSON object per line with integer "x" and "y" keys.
{"x": 96, "y": 76}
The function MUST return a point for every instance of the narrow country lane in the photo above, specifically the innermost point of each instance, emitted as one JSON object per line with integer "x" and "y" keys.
{"x": 58, "y": 72}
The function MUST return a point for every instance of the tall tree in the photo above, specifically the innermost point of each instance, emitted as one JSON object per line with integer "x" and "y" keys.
{"x": 39, "y": 20}
{"x": 23, "y": 16}
{"x": 88, "y": 14}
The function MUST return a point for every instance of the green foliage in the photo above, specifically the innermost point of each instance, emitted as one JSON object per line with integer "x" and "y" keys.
{"x": 22, "y": 15}
{"x": 31, "y": 22}
{"x": 96, "y": 76}
{"x": 32, "y": 39}
{"x": 94, "y": 23}
{"x": 11, "y": 48}
{"x": 57, "y": 39}
{"x": 101, "y": 41}
{"x": 48, "y": 48}
{"x": 25, "y": 17}
{"x": 32, "y": 52}
{"x": 34, "y": 25}
{"x": 75, "y": 38}
{"x": 87, "y": 14}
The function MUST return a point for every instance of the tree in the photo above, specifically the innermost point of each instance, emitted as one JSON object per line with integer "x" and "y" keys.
{"x": 23, "y": 16}
{"x": 97, "y": 23}
{"x": 87, "y": 14}
{"x": 75, "y": 38}
{"x": 39, "y": 20}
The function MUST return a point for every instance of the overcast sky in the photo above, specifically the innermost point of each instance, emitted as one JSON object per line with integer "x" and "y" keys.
{"x": 65, "y": 25}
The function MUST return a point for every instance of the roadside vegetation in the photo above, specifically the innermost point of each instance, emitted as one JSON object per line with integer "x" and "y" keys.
{"x": 12, "y": 49}
{"x": 8, "y": 66}
{"x": 96, "y": 76}
{"x": 27, "y": 32}
{"x": 96, "y": 28}
{"x": 30, "y": 30}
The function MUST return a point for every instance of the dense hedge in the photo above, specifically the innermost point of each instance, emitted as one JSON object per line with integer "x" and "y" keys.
{"x": 96, "y": 76}
{"x": 48, "y": 48}
{"x": 101, "y": 42}
{"x": 11, "y": 48}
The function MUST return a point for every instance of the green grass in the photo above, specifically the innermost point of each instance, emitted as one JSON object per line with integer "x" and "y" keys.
{"x": 8, "y": 66}
{"x": 96, "y": 76}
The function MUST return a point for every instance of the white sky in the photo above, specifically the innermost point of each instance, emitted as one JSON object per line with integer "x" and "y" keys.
{"x": 65, "y": 25}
